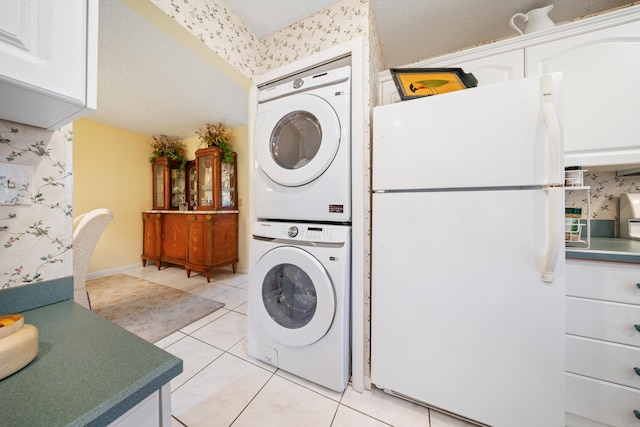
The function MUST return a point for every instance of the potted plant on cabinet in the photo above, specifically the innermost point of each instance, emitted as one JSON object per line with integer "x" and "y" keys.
{"x": 170, "y": 147}
{"x": 168, "y": 164}
{"x": 216, "y": 169}
{"x": 217, "y": 135}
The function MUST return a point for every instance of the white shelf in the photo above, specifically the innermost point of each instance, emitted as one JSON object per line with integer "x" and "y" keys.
{"x": 583, "y": 236}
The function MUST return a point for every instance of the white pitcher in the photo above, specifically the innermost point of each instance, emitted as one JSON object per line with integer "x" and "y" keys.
{"x": 534, "y": 20}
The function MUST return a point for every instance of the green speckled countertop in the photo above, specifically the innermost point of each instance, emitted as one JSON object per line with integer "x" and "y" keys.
{"x": 608, "y": 249}
{"x": 88, "y": 371}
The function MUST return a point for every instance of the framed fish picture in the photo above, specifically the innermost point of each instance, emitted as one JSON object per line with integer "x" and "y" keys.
{"x": 420, "y": 82}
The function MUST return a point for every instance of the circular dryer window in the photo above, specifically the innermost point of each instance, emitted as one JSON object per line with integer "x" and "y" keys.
{"x": 296, "y": 302}
{"x": 297, "y": 138}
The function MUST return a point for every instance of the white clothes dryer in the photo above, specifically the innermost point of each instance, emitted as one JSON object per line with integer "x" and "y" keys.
{"x": 302, "y": 167}
{"x": 298, "y": 300}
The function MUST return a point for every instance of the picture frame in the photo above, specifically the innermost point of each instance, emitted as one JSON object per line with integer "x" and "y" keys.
{"x": 414, "y": 83}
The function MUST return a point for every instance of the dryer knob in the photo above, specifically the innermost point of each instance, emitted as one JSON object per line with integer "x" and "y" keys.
{"x": 292, "y": 231}
{"x": 297, "y": 83}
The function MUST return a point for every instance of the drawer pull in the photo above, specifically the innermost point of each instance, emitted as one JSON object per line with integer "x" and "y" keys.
{"x": 638, "y": 285}
{"x": 636, "y": 413}
{"x": 637, "y": 371}
{"x": 637, "y": 327}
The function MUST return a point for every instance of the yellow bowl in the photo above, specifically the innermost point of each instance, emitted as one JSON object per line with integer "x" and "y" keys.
{"x": 10, "y": 323}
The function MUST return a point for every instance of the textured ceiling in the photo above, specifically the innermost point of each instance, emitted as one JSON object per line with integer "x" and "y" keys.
{"x": 150, "y": 83}
{"x": 412, "y": 30}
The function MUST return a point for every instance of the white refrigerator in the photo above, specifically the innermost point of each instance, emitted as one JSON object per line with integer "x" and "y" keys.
{"x": 467, "y": 298}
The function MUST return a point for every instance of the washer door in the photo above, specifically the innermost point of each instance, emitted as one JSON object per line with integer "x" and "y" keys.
{"x": 297, "y": 139}
{"x": 293, "y": 299}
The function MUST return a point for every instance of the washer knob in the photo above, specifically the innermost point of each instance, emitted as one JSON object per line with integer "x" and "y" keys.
{"x": 292, "y": 231}
{"x": 298, "y": 83}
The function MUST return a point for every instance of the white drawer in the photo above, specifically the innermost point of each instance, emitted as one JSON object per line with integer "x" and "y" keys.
{"x": 609, "y": 281}
{"x": 602, "y": 320}
{"x": 603, "y": 360}
{"x": 606, "y": 403}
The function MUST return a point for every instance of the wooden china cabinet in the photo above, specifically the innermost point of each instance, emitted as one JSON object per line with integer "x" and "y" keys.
{"x": 205, "y": 236}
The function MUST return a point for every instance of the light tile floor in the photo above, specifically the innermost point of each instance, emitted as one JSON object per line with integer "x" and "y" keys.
{"x": 221, "y": 385}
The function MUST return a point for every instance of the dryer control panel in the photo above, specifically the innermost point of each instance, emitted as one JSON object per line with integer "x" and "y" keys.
{"x": 326, "y": 78}
{"x": 304, "y": 232}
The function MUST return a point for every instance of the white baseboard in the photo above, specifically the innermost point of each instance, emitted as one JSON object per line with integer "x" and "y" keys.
{"x": 110, "y": 271}
{"x": 125, "y": 268}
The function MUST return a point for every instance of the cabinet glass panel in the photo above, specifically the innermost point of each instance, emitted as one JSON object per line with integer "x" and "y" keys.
{"x": 227, "y": 186}
{"x": 205, "y": 181}
{"x": 158, "y": 185}
{"x": 193, "y": 202}
{"x": 178, "y": 187}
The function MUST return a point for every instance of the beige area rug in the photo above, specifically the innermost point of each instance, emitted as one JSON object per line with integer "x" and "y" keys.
{"x": 147, "y": 309}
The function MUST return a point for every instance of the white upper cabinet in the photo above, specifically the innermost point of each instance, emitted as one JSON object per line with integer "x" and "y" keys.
{"x": 48, "y": 60}
{"x": 600, "y": 61}
{"x": 601, "y": 90}
{"x": 498, "y": 68}
{"x": 493, "y": 68}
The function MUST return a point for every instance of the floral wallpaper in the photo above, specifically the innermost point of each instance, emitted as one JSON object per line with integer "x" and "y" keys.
{"x": 219, "y": 28}
{"x": 605, "y": 194}
{"x": 35, "y": 237}
{"x": 339, "y": 23}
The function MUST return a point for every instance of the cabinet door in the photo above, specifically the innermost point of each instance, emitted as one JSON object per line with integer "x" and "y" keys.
{"x": 224, "y": 241}
{"x": 197, "y": 238}
{"x": 616, "y": 363}
{"x": 169, "y": 184}
{"x": 178, "y": 186}
{"x": 607, "y": 281}
{"x": 174, "y": 237}
{"x": 498, "y": 68}
{"x": 599, "y": 403}
{"x": 48, "y": 60}
{"x": 40, "y": 44}
{"x": 600, "y": 86}
{"x": 192, "y": 192}
{"x": 159, "y": 186}
{"x": 600, "y": 320}
{"x": 150, "y": 235}
{"x": 217, "y": 188}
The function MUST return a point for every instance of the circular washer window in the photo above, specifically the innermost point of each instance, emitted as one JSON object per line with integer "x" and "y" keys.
{"x": 297, "y": 138}
{"x": 289, "y": 296}
{"x": 294, "y": 298}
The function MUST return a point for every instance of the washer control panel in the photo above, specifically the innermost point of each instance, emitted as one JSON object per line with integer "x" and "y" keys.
{"x": 318, "y": 233}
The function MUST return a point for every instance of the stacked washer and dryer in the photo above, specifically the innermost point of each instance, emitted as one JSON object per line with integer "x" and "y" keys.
{"x": 300, "y": 261}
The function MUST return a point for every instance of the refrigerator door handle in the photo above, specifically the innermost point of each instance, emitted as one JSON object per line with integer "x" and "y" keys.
{"x": 550, "y": 117}
{"x": 554, "y": 241}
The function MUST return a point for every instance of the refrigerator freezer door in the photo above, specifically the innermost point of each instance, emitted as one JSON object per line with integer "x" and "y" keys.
{"x": 489, "y": 136}
{"x": 461, "y": 318}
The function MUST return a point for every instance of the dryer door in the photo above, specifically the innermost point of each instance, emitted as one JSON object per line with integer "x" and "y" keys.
{"x": 297, "y": 138}
{"x": 295, "y": 302}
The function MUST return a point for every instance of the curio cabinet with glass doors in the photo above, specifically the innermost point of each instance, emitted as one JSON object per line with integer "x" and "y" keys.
{"x": 216, "y": 181}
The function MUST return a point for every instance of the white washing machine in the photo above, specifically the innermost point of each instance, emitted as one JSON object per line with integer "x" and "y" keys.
{"x": 303, "y": 149}
{"x": 299, "y": 295}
